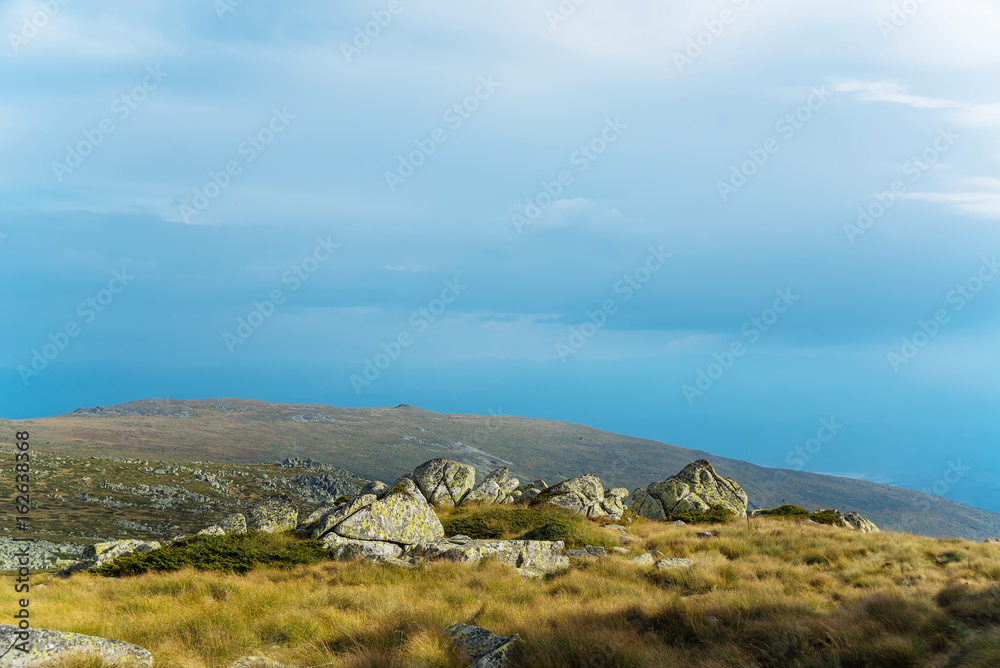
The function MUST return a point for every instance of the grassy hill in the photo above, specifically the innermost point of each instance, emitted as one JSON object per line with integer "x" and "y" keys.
{"x": 383, "y": 443}
{"x": 764, "y": 594}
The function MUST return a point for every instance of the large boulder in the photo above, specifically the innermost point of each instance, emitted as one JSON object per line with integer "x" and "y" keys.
{"x": 103, "y": 553}
{"x": 697, "y": 487}
{"x": 44, "y": 646}
{"x": 232, "y": 524}
{"x": 484, "y": 649}
{"x": 583, "y": 495}
{"x": 271, "y": 515}
{"x": 444, "y": 482}
{"x": 398, "y": 517}
{"x": 527, "y": 492}
{"x": 531, "y": 557}
{"x": 346, "y": 549}
{"x": 496, "y": 487}
{"x": 338, "y": 514}
{"x": 858, "y": 521}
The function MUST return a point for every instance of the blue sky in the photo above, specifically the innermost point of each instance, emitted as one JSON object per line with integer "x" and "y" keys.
{"x": 725, "y": 225}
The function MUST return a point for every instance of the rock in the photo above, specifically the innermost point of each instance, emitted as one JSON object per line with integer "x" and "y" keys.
{"x": 41, "y": 554}
{"x": 644, "y": 560}
{"x": 257, "y": 662}
{"x": 102, "y": 553}
{"x": 615, "y": 527}
{"x": 407, "y": 485}
{"x": 376, "y": 487}
{"x": 679, "y": 523}
{"x": 484, "y": 649}
{"x": 860, "y": 522}
{"x": 705, "y": 534}
{"x": 664, "y": 564}
{"x": 538, "y": 556}
{"x": 497, "y": 487}
{"x": 614, "y": 502}
{"x": 583, "y": 495}
{"x": 990, "y": 541}
{"x": 621, "y": 550}
{"x": 338, "y": 514}
{"x": 696, "y": 487}
{"x": 528, "y": 491}
{"x": 444, "y": 482}
{"x": 395, "y": 518}
{"x": 45, "y": 646}
{"x": 271, "y": 515}
{"x": 656, "y": 554}
{"x": 233, "y": 524}
{"x": 346, "y": 549}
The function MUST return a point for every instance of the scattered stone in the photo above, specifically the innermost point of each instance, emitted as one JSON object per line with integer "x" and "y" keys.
{"x": 664, "y": 564}
{"x": 646, "y": 559}
{"x": 680, "y": 523}
{"x": 657, "y": 554}
{"x": 697, "y": 487}
{"x": 484, "y": 649}
{"x": 583, "y": 495}
{"x": 615, "y": 527}
{"x": 706, "y": 534}
{"x": 271, "y": 515}
{"x": 444, "y": 482}
{"x": 989, "y": 541}
{"x": 45, "y": 646}
{"x": 621, "y": 550}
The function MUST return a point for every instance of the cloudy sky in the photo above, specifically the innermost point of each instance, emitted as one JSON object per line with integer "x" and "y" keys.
{"x": 734, "y": 225}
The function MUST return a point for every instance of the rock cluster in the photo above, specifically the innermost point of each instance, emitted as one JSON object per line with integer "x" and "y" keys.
{"x": 40, "y": 554}
{"x": 99, "y": 554}
{"x": 697, "y": 487}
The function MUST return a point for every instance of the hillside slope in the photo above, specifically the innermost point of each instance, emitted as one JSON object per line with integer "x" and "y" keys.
{"x": 382, "y": 443}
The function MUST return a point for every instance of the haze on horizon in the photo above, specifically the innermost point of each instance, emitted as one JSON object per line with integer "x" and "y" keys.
{"x": 733, "y": 225}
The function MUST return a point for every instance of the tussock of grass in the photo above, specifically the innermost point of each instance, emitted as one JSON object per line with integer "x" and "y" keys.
{"x": 236, "y": 553}
{"x": 770, "y": 594}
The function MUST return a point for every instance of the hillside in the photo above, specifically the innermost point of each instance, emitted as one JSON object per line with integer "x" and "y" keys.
{"x": 382, "y": 443}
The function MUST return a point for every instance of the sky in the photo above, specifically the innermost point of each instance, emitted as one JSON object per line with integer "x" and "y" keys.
{"x": 761, "y": 228}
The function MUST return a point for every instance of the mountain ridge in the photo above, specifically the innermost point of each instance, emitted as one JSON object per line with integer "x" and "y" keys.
{"x": 382, "y": 443}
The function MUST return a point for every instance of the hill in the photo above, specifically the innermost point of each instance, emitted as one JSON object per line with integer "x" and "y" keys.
{"x": 383, "y": 443}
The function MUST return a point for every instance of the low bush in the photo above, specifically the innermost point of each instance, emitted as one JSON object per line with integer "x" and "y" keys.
{"x": 714, "y": 515}
{"x": 238, "y": 553}
{"x": 522, "y": 522}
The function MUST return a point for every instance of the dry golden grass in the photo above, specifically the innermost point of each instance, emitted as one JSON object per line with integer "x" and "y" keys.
{"x": 774, "y": 593}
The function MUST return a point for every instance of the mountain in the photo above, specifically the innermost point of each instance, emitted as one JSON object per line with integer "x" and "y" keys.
{"x": 383, "y": 443}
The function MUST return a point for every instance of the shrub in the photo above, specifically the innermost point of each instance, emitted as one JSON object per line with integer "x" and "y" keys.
{"x": 510, "y": 522}
{"x": 714, "y": 515}
{"x": 794, "y": 512}
{"x": 237, "y": 553}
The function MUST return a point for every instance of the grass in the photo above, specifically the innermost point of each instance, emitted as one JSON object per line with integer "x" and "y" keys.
{"x": 769, "y": 593}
